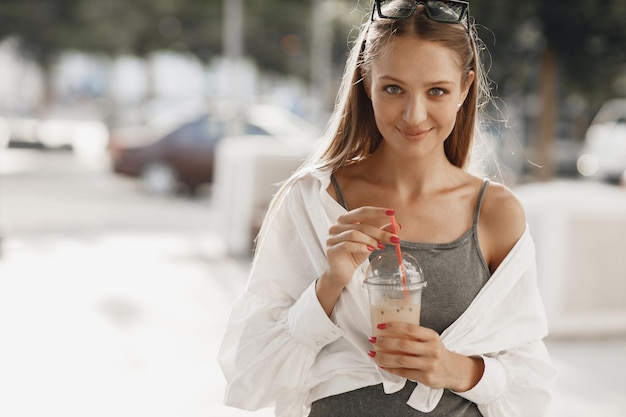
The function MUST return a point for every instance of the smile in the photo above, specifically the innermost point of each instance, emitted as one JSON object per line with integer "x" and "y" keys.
{"x": 413, "y": 134}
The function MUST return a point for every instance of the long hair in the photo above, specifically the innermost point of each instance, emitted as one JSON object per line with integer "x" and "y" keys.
{"x": 352, "y": 132}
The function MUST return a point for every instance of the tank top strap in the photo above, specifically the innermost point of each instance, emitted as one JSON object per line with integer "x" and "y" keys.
{"x": 342, "y": 201}
{"x": 481, "y": 194}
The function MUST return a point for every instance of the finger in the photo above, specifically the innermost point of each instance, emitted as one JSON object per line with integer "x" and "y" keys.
{"x": 400, "y": 345}
{"x": 388, "y": 227}
{"x": 358, "y": 233}
{"x": 397, "y": 361}
{"x": 418, "y": 370}
{"x": 336, "y": 231}
{"x": 408, "y": 330}
{"x": 355, "y": 248}
{"x": 366, "y": 214}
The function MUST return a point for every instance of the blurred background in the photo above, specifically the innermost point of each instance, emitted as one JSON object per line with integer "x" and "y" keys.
{"x": 141, "y": 140}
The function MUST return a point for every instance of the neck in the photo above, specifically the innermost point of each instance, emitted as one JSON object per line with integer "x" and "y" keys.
{"x": 412, "y": 175}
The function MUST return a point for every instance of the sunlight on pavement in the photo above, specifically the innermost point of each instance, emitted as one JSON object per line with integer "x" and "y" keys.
{"x": 118, "y": 324}
{"x": 590, "y": 379}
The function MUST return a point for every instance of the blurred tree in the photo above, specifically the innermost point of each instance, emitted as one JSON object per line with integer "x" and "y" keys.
{"x": 46, "y": 27}
{"x": 589, "y": 40}
{"x": 557, "y": 49}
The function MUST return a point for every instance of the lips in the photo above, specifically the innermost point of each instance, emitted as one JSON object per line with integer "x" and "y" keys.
{"x": 414, "y": 133}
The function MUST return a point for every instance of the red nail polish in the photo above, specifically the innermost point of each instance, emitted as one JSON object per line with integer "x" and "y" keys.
{"x": 372, "y": 339}
{"x": 371, "y": 353}
{"x": 394, "y": 239}
{"x": 370, "y": 248}
{"x": 381, "y": 246}
{"x": 390, "y": 212}
{"x": 382, "y": 326}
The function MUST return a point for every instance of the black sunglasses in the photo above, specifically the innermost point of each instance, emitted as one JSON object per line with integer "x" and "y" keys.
{"x": 445, "y": 11}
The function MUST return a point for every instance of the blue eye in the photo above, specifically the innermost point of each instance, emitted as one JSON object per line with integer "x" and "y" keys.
{"x": 437, "y": 91}
{"x": 393, "y": 89}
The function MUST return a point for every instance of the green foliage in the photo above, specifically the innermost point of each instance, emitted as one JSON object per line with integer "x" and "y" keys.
{"x": 588, "y": 36}
{"x": 278, "y": 37}
{"x": 113, "y": 26}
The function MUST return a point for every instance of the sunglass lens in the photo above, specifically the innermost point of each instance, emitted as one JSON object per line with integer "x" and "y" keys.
{"x": 397, "y": 9}
{"x": 445, "y": 11}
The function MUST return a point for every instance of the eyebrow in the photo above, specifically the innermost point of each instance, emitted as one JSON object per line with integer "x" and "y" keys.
{"x": 431, "y": 83}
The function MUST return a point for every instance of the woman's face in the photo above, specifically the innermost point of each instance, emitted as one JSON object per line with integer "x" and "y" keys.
{"x": 416, "y": 87}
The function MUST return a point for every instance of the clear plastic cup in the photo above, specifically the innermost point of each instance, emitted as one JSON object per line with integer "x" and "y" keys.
{"x": 391, "y": 300}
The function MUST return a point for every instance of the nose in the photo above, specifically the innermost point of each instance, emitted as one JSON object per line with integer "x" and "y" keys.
{"x": 415, "y": 110}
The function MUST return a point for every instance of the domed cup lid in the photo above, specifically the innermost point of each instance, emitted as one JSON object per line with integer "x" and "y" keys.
{"x": 384, "y": 271}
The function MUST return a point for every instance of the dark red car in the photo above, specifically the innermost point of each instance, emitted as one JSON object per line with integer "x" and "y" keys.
{"x": 181, "y": 157}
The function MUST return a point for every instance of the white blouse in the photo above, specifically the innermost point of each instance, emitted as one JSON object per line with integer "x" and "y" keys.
{"x": 281, "y": 349}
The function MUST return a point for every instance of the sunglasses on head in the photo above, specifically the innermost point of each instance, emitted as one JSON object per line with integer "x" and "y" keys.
{"x": 444, "y": 11}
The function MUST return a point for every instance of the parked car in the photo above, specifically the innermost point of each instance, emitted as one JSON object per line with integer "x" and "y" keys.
{"x": 169, "y": 156}
{"x": 603, "y": 155}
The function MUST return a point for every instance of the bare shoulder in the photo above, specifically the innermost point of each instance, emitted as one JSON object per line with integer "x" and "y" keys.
{"x": 502, "y": 222}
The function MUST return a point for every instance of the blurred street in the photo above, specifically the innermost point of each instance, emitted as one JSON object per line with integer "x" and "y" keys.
{"x": 113, "y": 303}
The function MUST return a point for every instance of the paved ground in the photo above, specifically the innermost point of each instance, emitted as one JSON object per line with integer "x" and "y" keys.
{"x": 113, "y": 303}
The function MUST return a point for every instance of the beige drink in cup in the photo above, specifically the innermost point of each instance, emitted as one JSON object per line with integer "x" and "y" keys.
{"x": 392, "y": 298}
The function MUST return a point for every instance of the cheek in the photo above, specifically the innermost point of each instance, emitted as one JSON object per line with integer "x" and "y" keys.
{"x": 385, "y": 114}
{"x": 385, "y": 107}
{"x": 450, "y": 111}
{"x": 450, "y": 119}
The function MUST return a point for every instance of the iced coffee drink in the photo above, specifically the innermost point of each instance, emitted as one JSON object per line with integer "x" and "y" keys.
{"x": 395, "y": 292}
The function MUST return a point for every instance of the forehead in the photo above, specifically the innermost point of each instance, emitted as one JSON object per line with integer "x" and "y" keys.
{"x": 408, "y": 57}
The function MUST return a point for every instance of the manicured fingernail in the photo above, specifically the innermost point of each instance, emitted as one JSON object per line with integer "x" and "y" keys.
{"x": 370, "y": 248}
{"x": 394, "y": 239}
{"x": 372, "y": 339}
{"x": 381, "y": 246}
{"x": 382, "y": 326}
{"x": 371, "y": 353}
{"x": 390, "y": 212}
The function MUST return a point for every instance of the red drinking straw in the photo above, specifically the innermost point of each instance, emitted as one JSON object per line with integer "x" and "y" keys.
{"x": 394, "y": 229}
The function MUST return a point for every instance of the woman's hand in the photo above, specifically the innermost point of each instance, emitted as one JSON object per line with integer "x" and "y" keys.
{"x": 418, "y": 354}
{"x": 351, "y": 240}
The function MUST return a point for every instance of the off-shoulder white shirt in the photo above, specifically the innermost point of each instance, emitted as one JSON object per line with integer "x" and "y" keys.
{"x": 281, "y": 349}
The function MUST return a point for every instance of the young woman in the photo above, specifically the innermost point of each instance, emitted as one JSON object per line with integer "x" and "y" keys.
{"x": 299, "y": 338}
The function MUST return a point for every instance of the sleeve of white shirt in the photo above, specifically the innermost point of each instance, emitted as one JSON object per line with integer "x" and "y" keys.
{"x": 277, "y": 326}
{"x": 515, "y": 383}
{"x": 309, "y": 324}
{"x": 491, "y": 385}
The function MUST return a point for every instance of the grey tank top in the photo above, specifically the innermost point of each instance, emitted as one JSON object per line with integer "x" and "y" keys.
{"x": 456, "y": 272}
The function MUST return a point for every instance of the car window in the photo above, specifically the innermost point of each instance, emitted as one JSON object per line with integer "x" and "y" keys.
{"x": 205, "y": 129}
{"x": 612, "y": 111}
{"x": 255, "y": 130}
{"x": 212, "y": 129}
{"x": 185, "y": 133}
